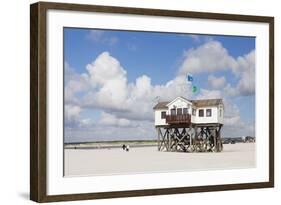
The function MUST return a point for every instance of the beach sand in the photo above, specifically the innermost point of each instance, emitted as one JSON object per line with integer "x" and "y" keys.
{"x": 85, "y": 162}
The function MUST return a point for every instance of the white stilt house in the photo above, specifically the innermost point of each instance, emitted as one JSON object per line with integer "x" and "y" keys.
{"x": 189, "y": 125}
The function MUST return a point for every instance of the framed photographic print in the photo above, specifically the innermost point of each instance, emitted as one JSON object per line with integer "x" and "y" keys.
{"x": 135, "y": 102}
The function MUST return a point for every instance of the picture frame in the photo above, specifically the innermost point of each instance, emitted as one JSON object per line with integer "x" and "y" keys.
{"x": 40, "y": 91}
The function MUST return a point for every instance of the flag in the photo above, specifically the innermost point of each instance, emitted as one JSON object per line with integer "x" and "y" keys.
{"x": 189, "y": 78}
{"x": 194, "y": 89}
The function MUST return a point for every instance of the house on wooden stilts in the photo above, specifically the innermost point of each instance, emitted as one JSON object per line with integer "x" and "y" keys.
{"x": 189, "y": 125}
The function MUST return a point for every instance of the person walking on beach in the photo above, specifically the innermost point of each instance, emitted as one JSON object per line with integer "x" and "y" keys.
{"x": 127, "y": 148}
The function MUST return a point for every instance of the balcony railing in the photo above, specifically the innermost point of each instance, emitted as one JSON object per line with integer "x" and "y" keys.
{"x": 178, "y": 119}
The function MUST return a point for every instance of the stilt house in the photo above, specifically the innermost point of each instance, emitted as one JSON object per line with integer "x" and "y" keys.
{"x": 189, "y": 125}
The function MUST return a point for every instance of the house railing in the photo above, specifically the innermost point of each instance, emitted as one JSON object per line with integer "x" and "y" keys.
{"x": 178, "y": 119}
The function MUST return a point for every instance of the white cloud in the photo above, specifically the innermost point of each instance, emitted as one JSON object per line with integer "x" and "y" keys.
{"x": 111, "y": 120}
{"x": 234, "y": 126}
{"x": 71, "y": 115}
{"x": 216, "y": 82}
{"x": 74, "y": 83}
{"x": 239, "y": 129}
{"x": 145, "y": 130}
{"x": 73, "y": 118}
{"x": 230, "y": 90}
{"x": 246, "y": 85}
{"x": 245, "y": 70}
{"x": 209, "y": 94}
{"x": 72, "y": 111}
{"x": 129, "y": 105}
{"x": 109, "y": 80}
{"x": 209, "y": 57}
{"x": 111, "y": 91}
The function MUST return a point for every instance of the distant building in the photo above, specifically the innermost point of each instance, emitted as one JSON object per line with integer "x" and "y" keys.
{"x": 249, "y": 139}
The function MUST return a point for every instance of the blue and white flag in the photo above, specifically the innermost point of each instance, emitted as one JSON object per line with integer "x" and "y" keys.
{"x": 189, "y": 78}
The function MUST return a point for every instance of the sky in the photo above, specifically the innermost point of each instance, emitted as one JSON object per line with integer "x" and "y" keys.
{"x": 112, "y": 80}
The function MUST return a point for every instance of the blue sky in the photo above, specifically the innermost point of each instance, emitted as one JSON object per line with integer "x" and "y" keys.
{"x": 155, "y": 59}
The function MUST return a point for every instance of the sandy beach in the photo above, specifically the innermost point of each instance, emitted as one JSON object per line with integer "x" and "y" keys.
{"x": 79, "y": 162}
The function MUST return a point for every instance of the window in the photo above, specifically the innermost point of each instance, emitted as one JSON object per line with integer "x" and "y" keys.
{"x": 163, "y": 115}
{"x": 220, "y": 110}
{"x": 193, "y": 111}
{"x": 185, "y": 111}
{"x": 173, "y": 111}
{"x": 201, "y": 113}
{"x": 209, "y": 112}
{"x": 179, "y": 111}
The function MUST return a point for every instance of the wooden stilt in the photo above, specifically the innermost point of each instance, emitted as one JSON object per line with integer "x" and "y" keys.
{"x": 194, "y": 138}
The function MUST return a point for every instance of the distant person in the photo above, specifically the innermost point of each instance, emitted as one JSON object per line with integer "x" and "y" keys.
{"x": 123, "y": 146}
{"x": 127, "y": 148}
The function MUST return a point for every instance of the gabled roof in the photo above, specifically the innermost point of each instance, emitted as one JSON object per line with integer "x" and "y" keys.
{"x": 197, "y": 103}
{"x": 161, "y": 105}
{"x": 180, "y": 97}
{"x": 207, "y": 102}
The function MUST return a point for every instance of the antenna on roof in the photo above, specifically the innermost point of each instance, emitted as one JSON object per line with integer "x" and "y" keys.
{"x": 156, "y": 99}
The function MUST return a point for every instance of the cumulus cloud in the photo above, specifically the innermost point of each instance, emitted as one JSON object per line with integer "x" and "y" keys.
{"x": 111, "y": 91}
{"x": 74, "y": 84}
{"x": 230, "y": 90}
{"x": 234, "y": 126}
{"x": 209, "y": 94}
{"x": 111, "y": 120}
{"x": 104, "y": 86}
{"x": 209, "y": 57}
{"x": 105, "y": 132}
{"x": 246, "y": 70}
{"x": 109, "y": 81}
{"x": 128, "y": 105}
{"x": 71, "y": 115}
{"x": 216, "y": 82}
